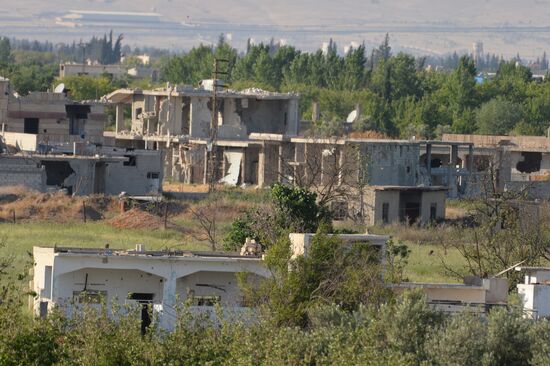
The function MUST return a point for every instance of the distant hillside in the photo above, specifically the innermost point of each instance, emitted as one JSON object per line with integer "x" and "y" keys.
{"x": 423, "y": 26}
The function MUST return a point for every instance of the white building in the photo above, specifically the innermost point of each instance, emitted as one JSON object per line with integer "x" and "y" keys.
{"x": 535, "y": 291}
{"x": 300, "y": 243}
{"x": 475, "y": 294}
{"x": 67, "y": 277}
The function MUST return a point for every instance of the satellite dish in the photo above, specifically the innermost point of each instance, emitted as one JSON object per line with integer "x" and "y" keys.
{"x": 352, "y": 116}
{"x": 60, "y": 88}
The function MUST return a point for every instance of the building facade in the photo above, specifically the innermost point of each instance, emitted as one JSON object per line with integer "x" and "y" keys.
{"x": 72, "y": 277}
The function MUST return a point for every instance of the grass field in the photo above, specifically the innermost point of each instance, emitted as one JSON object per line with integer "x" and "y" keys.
{"x": 20, "y": 238}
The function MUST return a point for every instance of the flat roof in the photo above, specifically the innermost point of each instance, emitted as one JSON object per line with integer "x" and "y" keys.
{"x": 454, "y": 286}
{"x": 60, "y": 157}
{"x": 408, "y": 188}
{"x": 123, "y": 95}
{"x": 148, "y": 253}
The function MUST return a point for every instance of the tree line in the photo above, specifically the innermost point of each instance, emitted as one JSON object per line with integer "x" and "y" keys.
{"x": 398, "y": 94}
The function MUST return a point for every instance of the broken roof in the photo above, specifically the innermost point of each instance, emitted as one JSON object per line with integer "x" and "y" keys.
{"x": 123, "y": 95}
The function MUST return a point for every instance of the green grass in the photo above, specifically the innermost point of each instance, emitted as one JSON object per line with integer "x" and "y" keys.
{"x": 20, "y": 238}
{"x": 425, "y": 267}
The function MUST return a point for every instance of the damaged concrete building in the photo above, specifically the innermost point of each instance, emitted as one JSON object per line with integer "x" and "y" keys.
{"x": 518, "y": 163}
{"x": 48, "y": 141}
{"x": 259, "y": 142}
{"x": 52, "y": 117}
{"x": 178, "y": 119}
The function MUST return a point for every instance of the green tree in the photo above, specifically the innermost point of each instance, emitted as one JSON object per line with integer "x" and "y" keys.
{"x": 498, "y": 117}
{"x": 87, "y": 87}
{"x": 5, "y": 51}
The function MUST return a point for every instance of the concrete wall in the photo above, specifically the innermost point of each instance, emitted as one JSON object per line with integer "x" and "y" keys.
{"x": 391, "y": 164}
{"x": 166, "y": 277}
{"x": 22, "y": 172}
{"x": 267, "y": 116}
{"x": 374, "y": 201}
{"x": 136, "y": 179}
{"x": 118, "y": 283}
{"x": 207, "y": 283}
{"x": 526, "y": 143}
{"x": 429, "y": 198}
{"x": 536, "y": 299}
{"x": 22, "y": 141}
{"x": 232, "y": 126}
{"x": 200, "y": 117}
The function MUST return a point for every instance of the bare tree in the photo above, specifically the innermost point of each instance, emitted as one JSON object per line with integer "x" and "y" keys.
{"x": 206, "y": 217}
{"x": 333, "y": 168}
{"x": 506, "y": 229}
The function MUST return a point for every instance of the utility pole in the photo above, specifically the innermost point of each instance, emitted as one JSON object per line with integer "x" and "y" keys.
{"x": 211, "y": 145}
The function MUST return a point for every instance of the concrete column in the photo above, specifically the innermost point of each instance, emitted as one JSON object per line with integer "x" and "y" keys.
{"x": 169, "y": 315}
{"x": 205, "y": 165}
{"x": 243, "y": 167}
{"x": 429, "y": 162}
{"x": 451, "y": 178}
{"x": 280, "y": 164}
{"x": 471, "y": 159}
{"x": 306, "y": 162}
{"x": 261, "y": 167}
{"x": 222, "y": 158}
{"x": 119, "y": 118}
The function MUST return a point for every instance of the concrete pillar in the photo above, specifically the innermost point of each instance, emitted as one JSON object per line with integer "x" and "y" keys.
{"x": 243, "y": 166}
{"x": 205, "y": 165}
{"x": 119, "y": 118}
{"x": 169, "y": 316}
{"x": 429, "y": 162}
{"x": 224, "y": 164}
{"x": 261, "y": 167}
{"x": 280, "y": 167}
{"x": 315, "y": 111}
{"x": 451, "y": 178}
{"x": 306, "y": 163}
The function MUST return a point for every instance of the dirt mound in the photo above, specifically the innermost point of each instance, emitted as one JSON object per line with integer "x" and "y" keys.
{"x": 31, "y": 205}
{"x": 136, "y": 219}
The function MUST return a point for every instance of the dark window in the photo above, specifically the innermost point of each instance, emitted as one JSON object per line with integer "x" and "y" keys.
{"x": 206, "y": 300}
{"x": 385, "y": 212}
{"x": 339, "y": 210}
{"x": 131, "y": 160}
{"x": 141, "y": 297}
{"x": 77, "y": 115}
{"x": 153, "y": 175}
{"x": 31, "y": 125}
{"x": 433, "y": 211}
{"x": 408, "y": 169}
{"x": 530, "y": 163}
